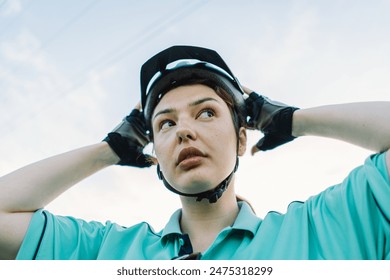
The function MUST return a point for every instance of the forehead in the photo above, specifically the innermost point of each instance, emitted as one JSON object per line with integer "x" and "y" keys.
{"x": 185, "y": 95}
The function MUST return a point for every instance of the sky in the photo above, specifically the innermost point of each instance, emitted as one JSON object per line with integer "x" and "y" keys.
{"x": 69, "y": 72}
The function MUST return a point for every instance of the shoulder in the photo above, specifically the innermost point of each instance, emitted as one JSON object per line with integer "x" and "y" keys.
{"x": 52, "y": 236}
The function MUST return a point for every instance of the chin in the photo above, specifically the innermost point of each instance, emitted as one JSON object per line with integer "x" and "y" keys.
{"x": 196, "y": 186}
{"x": 197, "y": 180}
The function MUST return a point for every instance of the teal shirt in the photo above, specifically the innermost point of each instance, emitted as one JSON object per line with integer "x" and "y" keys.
{"x": 350, "y": 220}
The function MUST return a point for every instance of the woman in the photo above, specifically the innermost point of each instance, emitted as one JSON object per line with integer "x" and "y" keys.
{"x": 195, "y": 114}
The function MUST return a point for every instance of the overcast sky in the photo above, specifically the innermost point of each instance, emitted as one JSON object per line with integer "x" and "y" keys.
{"x": 69, "y": 72}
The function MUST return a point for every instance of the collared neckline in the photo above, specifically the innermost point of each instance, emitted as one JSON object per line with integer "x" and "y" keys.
{"x": 246, "y": 220}
{"x": 173, "y": 225}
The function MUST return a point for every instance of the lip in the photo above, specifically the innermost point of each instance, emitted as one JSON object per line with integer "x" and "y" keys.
{"x": 189, "y": 158}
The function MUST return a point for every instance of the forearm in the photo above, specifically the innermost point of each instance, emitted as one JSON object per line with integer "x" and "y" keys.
{"x": 34, "y": 186}
{"x": 364, "y": 124}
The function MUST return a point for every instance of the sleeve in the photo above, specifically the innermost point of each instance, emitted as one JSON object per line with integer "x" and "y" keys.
{"x": 63, "y": 238}
{"x": 352, "y": 220}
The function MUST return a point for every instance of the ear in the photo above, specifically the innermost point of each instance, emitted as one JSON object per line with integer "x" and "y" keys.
{"x": 242, "y": 138}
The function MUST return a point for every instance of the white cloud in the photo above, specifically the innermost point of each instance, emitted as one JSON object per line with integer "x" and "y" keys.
{"x": 41, "y": 110}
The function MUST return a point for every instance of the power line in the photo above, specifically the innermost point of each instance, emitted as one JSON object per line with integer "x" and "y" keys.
{"x": 54, "y": 35}
{"x": 68, "y": 24}
{"x": 110, "y": 58}
{"x": 148, "y": 32}
{"x": 57, "y": 33}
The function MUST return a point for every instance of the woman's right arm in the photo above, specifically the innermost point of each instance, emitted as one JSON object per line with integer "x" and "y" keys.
{"x": 32, "y": 187}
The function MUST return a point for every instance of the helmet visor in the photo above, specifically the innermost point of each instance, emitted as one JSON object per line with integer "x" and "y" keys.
{"x": 177, "y": 57}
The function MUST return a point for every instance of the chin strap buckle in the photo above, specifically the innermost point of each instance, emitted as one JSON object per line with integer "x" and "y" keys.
{"x": 214, "y": 194}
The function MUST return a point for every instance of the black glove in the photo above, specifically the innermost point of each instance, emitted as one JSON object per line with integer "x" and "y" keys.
{"x": 272, "y": 118}
{"x": 128, "y": 140}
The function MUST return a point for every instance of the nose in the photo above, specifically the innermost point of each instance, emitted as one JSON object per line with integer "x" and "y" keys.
{"x": 184, "y": 133}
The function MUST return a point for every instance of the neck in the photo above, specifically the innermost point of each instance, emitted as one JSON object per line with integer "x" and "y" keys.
{"x": 202, "y": 221}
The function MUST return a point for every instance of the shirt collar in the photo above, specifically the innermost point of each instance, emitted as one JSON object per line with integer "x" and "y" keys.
{"x": 173, "y": 225}
{"x": 246, "y": 221}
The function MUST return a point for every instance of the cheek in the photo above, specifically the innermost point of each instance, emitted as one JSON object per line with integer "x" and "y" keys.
{"x": 158, "y": 149}
{"x": 162, "y": 148}
{"x": 224, "y": 140}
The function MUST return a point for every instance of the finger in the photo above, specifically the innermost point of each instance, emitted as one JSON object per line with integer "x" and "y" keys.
{"x": 135, "y": 113}
{"x": 246, "y": 90}
{"x": 260, "y": 145}
{"x": 145, "y": 160}
{"x": 254, "y": 150}
{"x": 138, "y": 106}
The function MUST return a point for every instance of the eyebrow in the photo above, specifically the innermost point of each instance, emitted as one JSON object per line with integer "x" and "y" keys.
{"x": 192, "y": 104}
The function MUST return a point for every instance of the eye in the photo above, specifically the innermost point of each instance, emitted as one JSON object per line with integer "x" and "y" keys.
{"x": 165, "y": 124}
{"x": 206, "y": 113}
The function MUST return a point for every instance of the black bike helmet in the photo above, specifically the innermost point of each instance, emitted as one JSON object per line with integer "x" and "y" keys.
{"x": 176, "y": 66}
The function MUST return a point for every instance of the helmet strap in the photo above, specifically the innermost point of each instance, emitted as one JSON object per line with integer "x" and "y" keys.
{"x": 212, "y": 195}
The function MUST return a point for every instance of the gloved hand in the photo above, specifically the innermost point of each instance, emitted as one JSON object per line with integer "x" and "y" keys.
{"x": 128, "y": 140}
{"x": 272, "y": 118}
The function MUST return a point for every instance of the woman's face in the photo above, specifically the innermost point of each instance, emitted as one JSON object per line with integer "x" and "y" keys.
{"x": 194, "y": 138}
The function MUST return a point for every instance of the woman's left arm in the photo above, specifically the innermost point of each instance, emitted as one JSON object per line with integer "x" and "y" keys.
{"x": 366, "y": 124}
